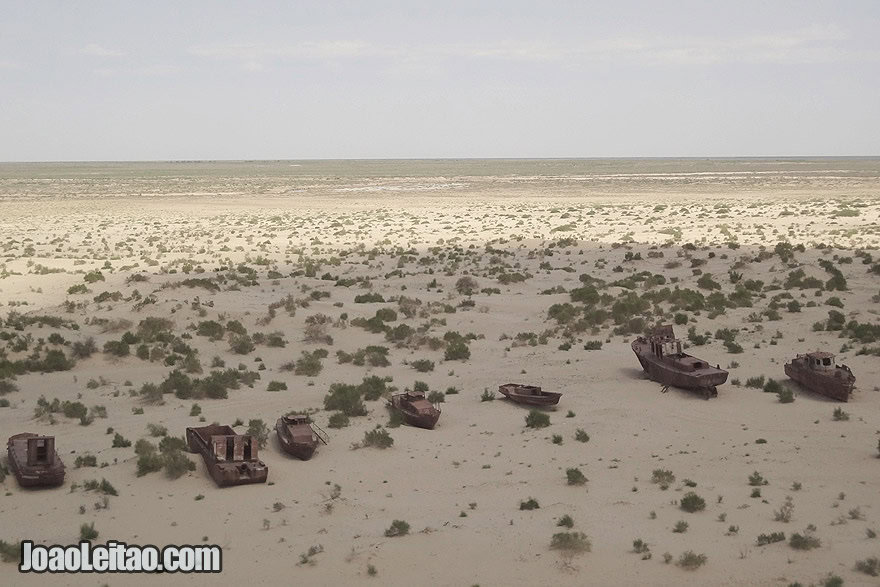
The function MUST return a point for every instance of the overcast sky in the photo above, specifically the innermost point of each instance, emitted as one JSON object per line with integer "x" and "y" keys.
{"x": 284, "y": 80}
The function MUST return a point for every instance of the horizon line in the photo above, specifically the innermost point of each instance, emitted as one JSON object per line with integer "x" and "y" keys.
{"x": 319, "y": 159}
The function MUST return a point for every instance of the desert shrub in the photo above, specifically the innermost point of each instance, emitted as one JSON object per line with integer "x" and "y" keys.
{"x": 422, "y": 365}
{"x": 839, "y": 415}
{"x": 338, "y": 420}
{"x": 785, "y": 395}
{"x": 581, "y": 436}
{"x": 276, "y": 386}
{"x": 436, "y": 397}
{"x": 537, "y": 419}
{"x": 117, "y": 348}
{"x": 487, "y": 395}
{"x": 755, "y": 382}
{"x": 691, "y": 502}
{"x": 120, "y": 441}
{"x": 593, "y": 345}
{"x": 149, "y": 460}
{"x": 241, "y": 344}
{"x": 378, "y": 438}
{"x": 662, "y": 477}
{"x": 772, "y": 386}
{"x": 466, "y": 285}
{"x": 869, "y": 566}
{"x": 372, "y": 387}
{"x": 565, "y": 522}
{"x": 805, "y": 541}
{"x": 784, "y": 513}
{"x": 88, "y": 532}
{"x": 84, "y": 349}
{"x": 764, "y": 539}
{"x": 10, "y": 552}
{"x": 680, "y": 527}
{"x": 259, "y": 431}
{"x": 574, "y": 476}
{"x": 86, "y": 461}
{"x": 397, "y": 528}
{"x": 457, "y": 350}
{"x": 570, "y": 542}
{"x": 529, "y": 504}
{"x": 211, "y": 329}
{"x": 706, "y": 282}
{"x": 690, "y": 560}
{"x": 756, "y": 479}
{"x": 368, "y": 298}
{"x": 345, "y": 398}
{"x": 640, "y": 546}
{"x": 176, "y": 463}
{"x": 309, "y": 364}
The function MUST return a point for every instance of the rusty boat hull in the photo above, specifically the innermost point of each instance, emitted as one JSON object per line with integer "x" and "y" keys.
{"x": 231, "y": 459}
{"x": 680, "y": 370}
{"x": 34, "y": 461}
{"x": 529, "y": 395}
{"x": 416, "y": 410}
{"x": 836, "y": 383}
{"x": 298, "y": 437}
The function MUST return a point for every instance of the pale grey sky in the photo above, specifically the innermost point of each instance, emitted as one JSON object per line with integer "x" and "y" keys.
{"x": 183, "y": 79}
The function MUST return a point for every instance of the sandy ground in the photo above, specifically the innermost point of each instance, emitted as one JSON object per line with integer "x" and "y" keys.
{"x": 460, "y": 485}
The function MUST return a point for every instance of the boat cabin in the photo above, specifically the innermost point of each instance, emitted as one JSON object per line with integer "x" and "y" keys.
{"x": 234, "y": 447}
{"x": 40, "y": 451}
{"x": 820, "y": 361}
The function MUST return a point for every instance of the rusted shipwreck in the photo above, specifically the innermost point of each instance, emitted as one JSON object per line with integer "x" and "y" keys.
{"x": 299, "y": 436}
{"x": 416, "y": 409}
{"x": 34, "y": 461}
{"x": 231, "y": 458}
{"x": 664, "y": 361}
{"x": 530, "y": 395}
{"x": 818, "y": 372}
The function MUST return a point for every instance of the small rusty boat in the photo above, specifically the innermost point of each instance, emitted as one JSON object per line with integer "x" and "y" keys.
{"x": 818, "y": 372}
{"x": 231, "y": 458}
{"x": 416, "y": 409}
{"x": 663, "y": 360}
{"x": 299, "y": 436}
{"x": 34, "y": 461}
{"x": 530, "y": 395}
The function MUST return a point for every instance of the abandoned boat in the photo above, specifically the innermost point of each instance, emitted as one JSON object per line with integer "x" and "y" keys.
{"x": 663, "y": 360}
{"x": 530, "y": 395}
{"x": 34, "y": 460}
{"x": 818, "y": 372}
{"x": 231, "y": 458}
{"x": 299, "y": 436}
{"x": 416, "y": 409}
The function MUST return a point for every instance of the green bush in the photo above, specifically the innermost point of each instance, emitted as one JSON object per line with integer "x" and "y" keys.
{"x": 805, "y": 541}
{"x": 529, "y": 504}
{"x": 276, "y": 386}
{"x": 378, "y": 438}
{"x": 772, "y": 386}
{"x": 88, "y": 532}
{"x": 537, "y": 419}
{"x": 120, "y": 442}
{"x": 397, "y": 528}
{"x": 338, "y": 420}
{"x": 345, "y": 398}
{"x": 690, "y": 560}
{"x": 457, "y": 350}
{"x": 570, "y": 542}
{"x": 574, "y": 476}
{"x": 691, "y": 502}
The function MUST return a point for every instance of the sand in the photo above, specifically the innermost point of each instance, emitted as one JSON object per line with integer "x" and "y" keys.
{"x": 458, "y": 486}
